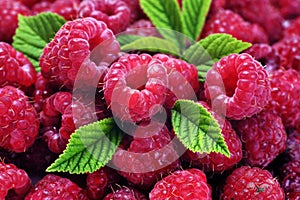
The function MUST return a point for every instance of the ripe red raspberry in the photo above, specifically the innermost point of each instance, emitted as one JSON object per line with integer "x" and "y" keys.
{"x": 150, "y": 156}
{"x": 9, "y": 18}
{"x": 15, "y": 183}
{"x": 80, "y": 44}
{"x": 293, "y": 196}
{"x": 292, "y": 27}
{"x": 261, "y": 12}
{"x": 217, "y": 162}
{"x": 41, "y": 6}
{"x": 16, "y": 69}
{"x": 18, "y": 120}
{"x": 251, "y": 183}
{"x": 246, "y": 84}
{"x": 285, "y": 101}
{"x": 56, "y": 188}
{"x": 182, "y": 184}
{"x": 288, "y": 8}
{"x": 226, "y": 21}
{"x": 142, "y": 27}
{"x": 263, "y": 136}
{"x": 135, "y": 9}
{"x": 115, "y": 13}
{"x": 29, "y": 3}
{"x": 290, "y": 174}
{"x": 125, "y": 193}
{"x": 293, "y": 145}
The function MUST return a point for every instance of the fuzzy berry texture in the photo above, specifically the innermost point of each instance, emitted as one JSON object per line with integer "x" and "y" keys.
{"x": 285, "y": 101}
{"x": 56, "y": 188}
{"x": 182, "y": 184}
{"x": 16, "y": 69}
{"x": 238, "y": 84}
{"x": 293, "y": 145}
{"x": 251, "y": 183}
{"x": 15, "y": 183}
{"x": 150, "y": 156}
{"x": 125, "y": 193}
{"x": 80, "y": 44}
{"x": 115, "y": 13}
{"x": 18, "y": 120}
{"x": 290, "y": 174}
{"x": 226, "y": 21}
{"x": 263, "y": 136}
{"x": 217, "y": 162}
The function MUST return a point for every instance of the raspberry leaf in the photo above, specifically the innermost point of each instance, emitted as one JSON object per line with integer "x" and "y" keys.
{"x": 197, "y": 129}
{"x": 90, "y": 147}
{"x": 153, "y": 44}
{"x": 194, "y": 13}
{"x": 166, "y": 16}
{"x": 124, "y": 39}
{"x": 33, "y": 34}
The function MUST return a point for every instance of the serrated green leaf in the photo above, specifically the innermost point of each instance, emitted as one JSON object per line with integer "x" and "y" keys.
{"x": 34, "y": 32}
{"x": 153, "y": 44}
{"x": 197, "y": 129}
{"x": 194, "y": 13}
{"x": 90, "y": 148}
{"x": 165, "y": 15}
{"x": 124, "y": 39}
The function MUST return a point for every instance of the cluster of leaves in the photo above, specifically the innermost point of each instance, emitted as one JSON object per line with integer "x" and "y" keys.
{"x": 92, "y": 146}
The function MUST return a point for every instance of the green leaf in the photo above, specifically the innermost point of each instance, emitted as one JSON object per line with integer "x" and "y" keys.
{"x": 166, "y": 17}
{"x": 34, "y": 32}
{"x": 90, "y": 148}
{"x": 194, "y": 13}
{"x": 197, "y": 129}
{"x": 124, "y": 39}
{"x": 153, "y": 44}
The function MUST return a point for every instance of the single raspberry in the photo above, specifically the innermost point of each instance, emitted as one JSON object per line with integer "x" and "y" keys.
{"x": 83, "y": 44}
{"x": 265, "y": 54}
{"x": 251, "y": 183}
{"x": 217, "y": 162}
{"x": 18, "y": 120}
{"x": 15, "y": 69}
{"x": 9, "y": 18}
{"x": 56, "y": 188}
{"x": 263, "y": 136}
{"x": 182, "y": 184}
{"x": 261, "y": 12}
{"x": 239, "y": 84}
{"x": 290, "y": 173}
{"x": 293, "y": 145}
{"x": 288, "y": 8}
{"x": 226, "y": 21}
{"x": 115, "y": 13}
{"x": 285, "y": 101}
{"x": 99, "y": 182}
{"x": 142, "y": 27}
{"x": 125, "y": 193}
{"x": 150, "y": 156}
{"x": 15, "y": 183}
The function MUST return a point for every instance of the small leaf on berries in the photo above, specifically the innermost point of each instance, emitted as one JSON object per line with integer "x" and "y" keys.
{"x": 197, "y": 129}
{"x": 90, "y": 148}
{"x": 124, "y": 39}
{"x": 33, "y": 34}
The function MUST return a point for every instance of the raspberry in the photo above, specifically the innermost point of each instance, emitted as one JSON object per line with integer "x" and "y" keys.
{"x": 288, "y": 8}
{"x": 115, "y": 13}
{"x": 285, "y": 101}
{"x": 246, "y": 84}
{"x": 83, "y": 43}
{"x": 15, "y": 183}
{"x": 251, "y": 183}
{"x": 29, "y": 3}
{"x": 291, "y": 176}
{"x": 99, "y": 181}
{"x": 217, "y": 162}
{"x": 142, "y": 27}
{"x": 9, "y": 18}
{"x": 18, "y": 120}
{"x": 292, "y": 27}
{"x": 135, "y": 9}
{"x": 125, "y": 193}
{"x": 293, "y": 145}
{"x": 150, "y": 156}
{"x": 56, "y": 188}
{"x": 263, "y": 136}
{"x": 269, "y": 17}
{"x": 16, "y": 69}
{"x": 41, "y": 6}
{"x": 226, "y": 21}
{"x": 182, "y": 184}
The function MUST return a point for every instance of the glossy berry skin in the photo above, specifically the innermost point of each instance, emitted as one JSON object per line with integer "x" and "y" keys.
{"x": 263, "y": 136}
{"x": 239, "y": 84}
{"x": 18, "y": 120}
{"x": 115, "y": 13}
{"x": 182, "y": 184}
{"x": 9, "y": 18}
{"x": 15, "y": 183}
{"x": 15, "y": 69}
{"x": 125, "y": 193}
{"x": 251, "y": 183}
{"x": 85, "y": 44}
{"x": 56, "y": 188}
{"x": 290, "y": 174}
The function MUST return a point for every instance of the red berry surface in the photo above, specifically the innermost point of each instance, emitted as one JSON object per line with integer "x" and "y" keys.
{"x": 125, "y": 193}
{"x": 293, "y": 145}
{"x": 288, "y": 8}
{"x": 290, "y": 173}
{"x": 239, "y": 84}
{"x": 142, "y": 27}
